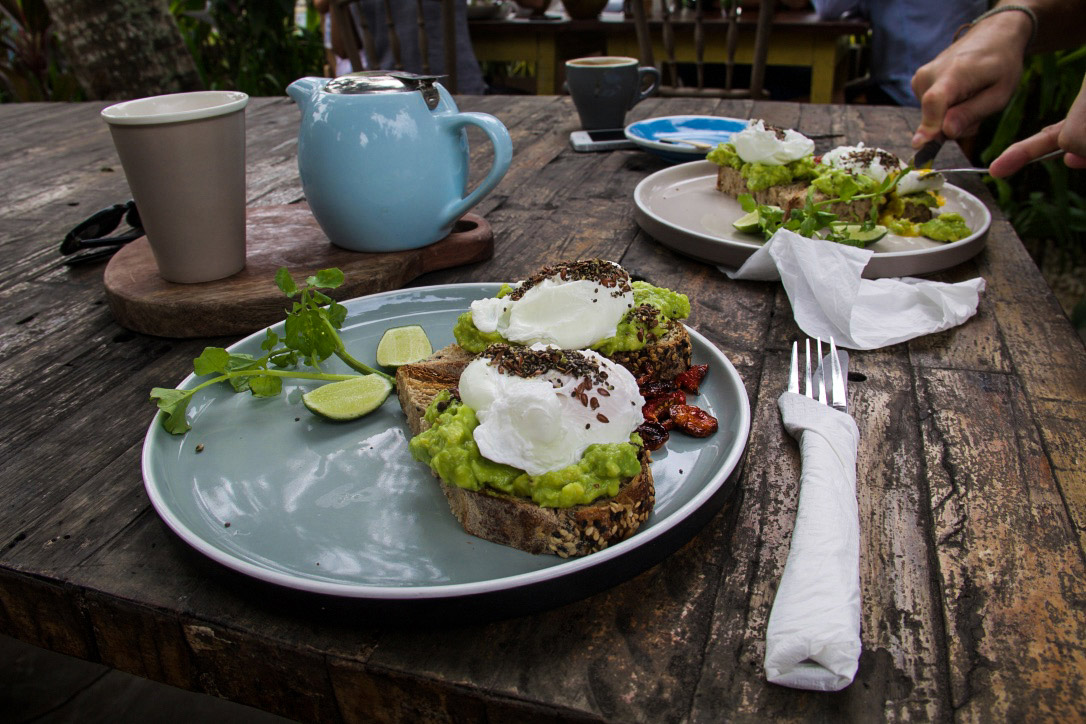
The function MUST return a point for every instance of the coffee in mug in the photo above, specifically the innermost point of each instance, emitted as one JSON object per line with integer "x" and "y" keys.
{"x": 604, "y": 88}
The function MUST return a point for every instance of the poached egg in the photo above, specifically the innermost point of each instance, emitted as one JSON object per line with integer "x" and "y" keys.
{"x": 540, "y": 407}
{"x": 878, "y": 164}
{"x": 571, "y": 305}
{"x": 758, "y": 143}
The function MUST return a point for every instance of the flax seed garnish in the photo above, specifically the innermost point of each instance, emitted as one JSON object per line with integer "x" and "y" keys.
{"x": 777, "y": 131}
{"x": 602, "y": 418}
{"x": 594, "y": 403}
{"x": 603, "y": 392}
{"x": 528, "y": 363}
{"x": 867, "y": 156}
{"x": 607, "y": 273}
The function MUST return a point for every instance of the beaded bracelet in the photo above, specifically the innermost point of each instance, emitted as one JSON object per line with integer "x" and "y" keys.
{"x": 1002, "y": 8}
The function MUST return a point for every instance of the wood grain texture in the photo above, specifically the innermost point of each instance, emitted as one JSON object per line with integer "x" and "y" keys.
{"x": 276, "y": 236}
{"x": 971, "y": 493}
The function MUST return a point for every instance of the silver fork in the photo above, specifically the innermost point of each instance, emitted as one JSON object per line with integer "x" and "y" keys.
{"x": 1047, "y": 156}
{"x": 838, "y": 400}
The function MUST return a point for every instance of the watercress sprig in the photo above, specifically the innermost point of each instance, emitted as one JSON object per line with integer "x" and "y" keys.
{"x": 311, "y": 335}
{"x": 813, "y": 217}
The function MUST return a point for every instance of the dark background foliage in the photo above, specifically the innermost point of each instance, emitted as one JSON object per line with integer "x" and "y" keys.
{"x": 250, "y": 45}
{"x": 1046, "y": 203}
{"x": 32, "y": 67}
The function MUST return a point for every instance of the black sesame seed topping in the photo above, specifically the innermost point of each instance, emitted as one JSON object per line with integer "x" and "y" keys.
{"x": 609, "y": 275}
{"x": 528, "y": 363}
{"x": 867, "y": 157}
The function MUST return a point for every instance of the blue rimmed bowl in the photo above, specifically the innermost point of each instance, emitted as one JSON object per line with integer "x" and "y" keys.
{"x": 707, "y": 129}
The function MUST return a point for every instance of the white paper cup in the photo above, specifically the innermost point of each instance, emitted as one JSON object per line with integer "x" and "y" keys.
{"x": 184, "y": 157}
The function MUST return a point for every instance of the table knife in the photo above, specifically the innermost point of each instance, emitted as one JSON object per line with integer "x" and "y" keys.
{"x": 925, "y": 156}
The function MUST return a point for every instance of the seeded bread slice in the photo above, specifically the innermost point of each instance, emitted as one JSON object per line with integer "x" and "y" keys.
{"x": 418, "y": 384}
{"x": 666, "y": 357}
{"x": 565, "y": 532}
{"x": 788, "y": 196}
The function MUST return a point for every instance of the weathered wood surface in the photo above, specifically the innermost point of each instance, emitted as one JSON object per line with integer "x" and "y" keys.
{"x": 972, "y": 493}
{"x": 276, "y": 236}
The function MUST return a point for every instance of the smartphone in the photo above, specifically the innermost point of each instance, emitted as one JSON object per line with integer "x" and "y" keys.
{"x": 605, "y": 140}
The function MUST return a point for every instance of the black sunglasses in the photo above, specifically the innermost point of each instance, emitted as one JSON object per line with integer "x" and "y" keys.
{"x": 91, "y": 233}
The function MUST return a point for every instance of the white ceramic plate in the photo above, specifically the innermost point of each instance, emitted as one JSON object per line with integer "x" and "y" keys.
{"x": 681, "y": 208}
{"x": 707, "y": 129}
{"x": 342, "y": 508}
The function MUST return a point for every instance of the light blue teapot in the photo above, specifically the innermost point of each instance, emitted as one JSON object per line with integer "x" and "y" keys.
{"x": 383, "y": 158}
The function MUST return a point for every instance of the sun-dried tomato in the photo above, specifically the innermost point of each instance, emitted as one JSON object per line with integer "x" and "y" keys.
{"x": 653, "y": 434}
{"x": 690, "y": 379}
{"x": 692, "y": 420}
{"x": 657, "y": 388}
{"x": 655, "y": 408}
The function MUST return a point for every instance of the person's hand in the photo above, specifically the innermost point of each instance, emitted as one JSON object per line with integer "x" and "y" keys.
{"x": 1069, "y": 135}
{"x": 971, "y": 79}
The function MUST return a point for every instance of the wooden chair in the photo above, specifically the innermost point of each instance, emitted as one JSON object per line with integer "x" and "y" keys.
{"x": 350, "y": 25}
{"x": 671, "y": 84}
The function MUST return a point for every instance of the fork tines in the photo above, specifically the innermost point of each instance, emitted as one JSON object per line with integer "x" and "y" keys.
{"x": 837, "y": 381}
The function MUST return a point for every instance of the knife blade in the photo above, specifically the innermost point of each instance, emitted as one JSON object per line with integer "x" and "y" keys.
{"x": 925, "y": 156}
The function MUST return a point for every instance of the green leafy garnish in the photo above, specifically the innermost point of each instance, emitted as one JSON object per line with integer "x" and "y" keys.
{"x": 813, "y": 219}
{"x": 311, "y": 335}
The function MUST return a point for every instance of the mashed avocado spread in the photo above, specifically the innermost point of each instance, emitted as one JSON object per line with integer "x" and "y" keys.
{"x": 946, "y": 227}
{"x": 450, "y": 450}
{"x": 836, "y": 183}
{"x": 633, "y": 332}
{"x": 761, "y": 176}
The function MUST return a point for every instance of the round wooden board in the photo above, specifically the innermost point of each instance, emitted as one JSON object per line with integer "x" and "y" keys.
{"x": 277, "y": 236}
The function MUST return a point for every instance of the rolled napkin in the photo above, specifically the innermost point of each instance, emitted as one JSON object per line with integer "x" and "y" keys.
{"x": 830, "y": 299}
{"x": 813, "y": 635}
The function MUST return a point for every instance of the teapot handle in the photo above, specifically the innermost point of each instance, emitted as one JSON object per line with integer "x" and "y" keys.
{"x": 503, "y": 156}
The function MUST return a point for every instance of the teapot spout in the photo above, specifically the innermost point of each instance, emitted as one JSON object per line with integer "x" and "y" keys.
{"x": 302, "y": 90}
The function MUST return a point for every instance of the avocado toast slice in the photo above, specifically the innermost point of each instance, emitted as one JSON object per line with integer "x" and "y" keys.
{"x": 513, "y": 520}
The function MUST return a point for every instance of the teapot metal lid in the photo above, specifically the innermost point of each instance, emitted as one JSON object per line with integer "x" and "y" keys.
{"x": 384, "y": 82}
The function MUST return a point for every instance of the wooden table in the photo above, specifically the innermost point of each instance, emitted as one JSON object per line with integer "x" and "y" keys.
{"x": 972, "y": 494}
{"x": 798, "y": 39}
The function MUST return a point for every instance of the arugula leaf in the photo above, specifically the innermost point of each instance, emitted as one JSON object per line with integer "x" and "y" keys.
{"x": 174, "y": 403}
{"x": 285, "y": 282}
{"x": 265, "y": 386}
{"x": 212, "y": 359}
{"x": 326, "y": 279}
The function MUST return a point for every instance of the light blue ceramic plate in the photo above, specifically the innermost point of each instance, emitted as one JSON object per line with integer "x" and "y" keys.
{"x": 707, "y": 129}
{"x": 343, "y": 509}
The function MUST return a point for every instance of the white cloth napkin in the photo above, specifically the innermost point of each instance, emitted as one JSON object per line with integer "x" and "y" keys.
{"x": 829, "y": 299}
{"x": 813, "y": 635}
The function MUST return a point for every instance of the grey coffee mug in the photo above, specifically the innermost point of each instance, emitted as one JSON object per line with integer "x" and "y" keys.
{"x": 604, "y": 88}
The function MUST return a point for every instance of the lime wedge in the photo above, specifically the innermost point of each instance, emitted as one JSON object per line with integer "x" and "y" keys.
{"x": 349, "y": 399}
{"x": 402, "y": 346}
{"x": 748, "y": 223}
{"x": 857, "y": 235}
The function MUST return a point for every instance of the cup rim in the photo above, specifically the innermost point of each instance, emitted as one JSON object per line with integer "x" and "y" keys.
{"x": 600, "y": 61}
{"x": 174, "y": 107}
